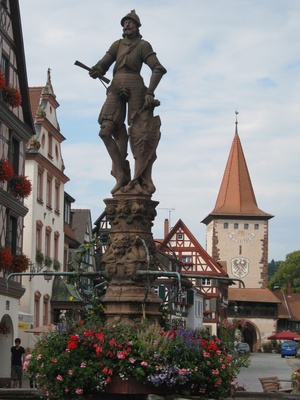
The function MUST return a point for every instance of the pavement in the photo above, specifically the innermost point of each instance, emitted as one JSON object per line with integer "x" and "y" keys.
{"x": 263, "y": 365}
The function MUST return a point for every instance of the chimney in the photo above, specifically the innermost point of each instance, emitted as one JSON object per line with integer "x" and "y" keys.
{"x": 166, "y": 227}
{"x": 288, "y": 288}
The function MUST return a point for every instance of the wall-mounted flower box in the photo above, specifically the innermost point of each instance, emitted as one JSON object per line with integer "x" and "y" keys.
{"x": 20, "y": 186}
{"x": 6, "y": 170}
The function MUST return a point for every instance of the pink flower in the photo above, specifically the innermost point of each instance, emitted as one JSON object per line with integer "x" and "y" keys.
{"x": 132, "y": 360}
{"x": 70, "y": 372}
{"x": 25, "y": 365}
{"x": 120, "y": 354}
{"x": 78, "y": 391}
{"x": 205, "y": 354}
{"x": 39, "y": 356}
{"x": 59, "y": 378}
{"x": 144, "y": 363}
{"x": 202, "y": 390}
{"x": 82, "y": 365}
{"x": 215, "y": 371}
{"x": 54, "y": 360}
{"x": 182, "y": 371}
{"x": 66, "y": 390}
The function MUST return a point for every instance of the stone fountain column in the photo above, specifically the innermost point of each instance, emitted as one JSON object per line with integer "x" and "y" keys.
{"x": 129, "y": 297}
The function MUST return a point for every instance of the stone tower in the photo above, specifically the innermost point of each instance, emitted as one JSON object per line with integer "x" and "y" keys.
{"x": 236, "y": 229}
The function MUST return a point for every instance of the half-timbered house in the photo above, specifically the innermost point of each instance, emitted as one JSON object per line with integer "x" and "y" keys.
{"x": 16, "y": 128}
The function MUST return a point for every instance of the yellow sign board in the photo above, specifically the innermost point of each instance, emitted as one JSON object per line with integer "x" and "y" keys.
{"x": 22, "y": 325}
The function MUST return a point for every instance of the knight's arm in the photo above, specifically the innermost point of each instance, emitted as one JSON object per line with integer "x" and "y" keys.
{"x": 104, "y": 64}
{"x": 157, "y": 73}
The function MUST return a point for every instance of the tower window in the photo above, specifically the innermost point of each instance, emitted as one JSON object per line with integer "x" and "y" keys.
{"x": 236, "y": 226}
{"x": 225, "y": 226}
{"x": 256, "y": 226}
{"x": 246, "y": 226}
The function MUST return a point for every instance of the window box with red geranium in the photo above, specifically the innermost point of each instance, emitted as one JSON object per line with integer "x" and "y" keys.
{"x": 5, "y": 259}
{"x": 20, "y": 186}
{"x": 20, "y": 263}
{"x": 12, "y": 96}
{"x": 2, "y": 81}
{"x": 6, "y": 170}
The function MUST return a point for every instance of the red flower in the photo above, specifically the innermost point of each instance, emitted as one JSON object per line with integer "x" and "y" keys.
{"x": 12, "y": 96}
{"x": 20, "y": 263}
{"x": 6, "y": 259}
{"x": 2, "y": 81}
{"x": 6, "y": 170}
{"x": 20, "y": 186}
{"x": 4, "y": 329}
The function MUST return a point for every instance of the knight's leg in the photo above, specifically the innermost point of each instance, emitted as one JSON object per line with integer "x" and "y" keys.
{"x": 118, "y": 162}
{"x": 146, "y": 178}
{"x": 122, "y": 143}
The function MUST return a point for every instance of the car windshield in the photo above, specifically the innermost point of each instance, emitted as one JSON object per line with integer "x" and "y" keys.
{"x": 289, "y": 343}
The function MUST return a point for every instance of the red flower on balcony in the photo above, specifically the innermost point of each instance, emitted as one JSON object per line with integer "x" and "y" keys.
{"x": 6, "y": 259}
{"x": 20, "y": 186}
{"x": 2, "y": 81}
{"x": 12, "y": 96}
{"x": 4, "y": 329}
{"x": 20, "y": 263}
{"x": 6, "y": 170}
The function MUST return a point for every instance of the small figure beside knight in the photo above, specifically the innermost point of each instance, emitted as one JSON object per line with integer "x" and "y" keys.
{"x": 127, "y": 90}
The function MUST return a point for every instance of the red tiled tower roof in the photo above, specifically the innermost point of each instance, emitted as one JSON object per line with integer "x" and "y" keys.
{"x": 236, "y": 195}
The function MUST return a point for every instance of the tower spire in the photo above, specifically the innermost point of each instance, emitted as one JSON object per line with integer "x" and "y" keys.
{"x": 236, "y": 122}
{"x": 236, "y": 195}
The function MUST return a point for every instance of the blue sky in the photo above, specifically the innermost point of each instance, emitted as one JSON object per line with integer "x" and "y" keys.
{"x": 221, "y": 56}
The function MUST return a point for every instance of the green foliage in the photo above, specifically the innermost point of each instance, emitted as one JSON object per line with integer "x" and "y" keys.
{"x": 270, "y": 346}
{"x": 48, "y": 261}
{"x": 231, "y": 332}
{"x": 273, "y": 267}
{"x": 289, "y": 271}
{"x": 39, "y": 257}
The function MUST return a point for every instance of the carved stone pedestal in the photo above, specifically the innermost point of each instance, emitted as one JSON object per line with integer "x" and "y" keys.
{"x": 129, "y": 296}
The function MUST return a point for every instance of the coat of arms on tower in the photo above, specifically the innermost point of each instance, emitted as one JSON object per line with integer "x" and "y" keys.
{"x": 240, "y": 266}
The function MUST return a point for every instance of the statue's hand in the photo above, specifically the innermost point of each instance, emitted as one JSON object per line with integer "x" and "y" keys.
{"x": 94, "y": 73}
{"x": 149, "y": 101}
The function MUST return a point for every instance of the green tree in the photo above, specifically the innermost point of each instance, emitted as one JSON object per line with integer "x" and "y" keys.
{"x": 273, "y": 267}
{"x": 289, "y": 271}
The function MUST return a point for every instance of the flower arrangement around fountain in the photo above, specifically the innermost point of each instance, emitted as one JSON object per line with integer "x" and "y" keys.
{"x": 82, "y": 357}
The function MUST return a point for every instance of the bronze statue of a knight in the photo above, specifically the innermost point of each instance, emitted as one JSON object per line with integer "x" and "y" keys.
{"x": 127, "y": 90}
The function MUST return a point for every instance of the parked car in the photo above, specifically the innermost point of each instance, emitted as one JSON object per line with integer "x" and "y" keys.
{"x": 243, "y": 348}
{"x": 288, "y": 348}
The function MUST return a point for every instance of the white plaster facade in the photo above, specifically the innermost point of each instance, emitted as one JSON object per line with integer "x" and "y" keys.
{"x": 44, "y": 223}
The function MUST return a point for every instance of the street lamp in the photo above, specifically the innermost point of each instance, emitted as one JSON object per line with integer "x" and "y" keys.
{"x": 48, "y": 274}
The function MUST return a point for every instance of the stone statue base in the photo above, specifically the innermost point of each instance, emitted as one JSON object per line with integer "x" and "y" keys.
{"x": 130, "y": 304}
{"x": 129, "y": 296}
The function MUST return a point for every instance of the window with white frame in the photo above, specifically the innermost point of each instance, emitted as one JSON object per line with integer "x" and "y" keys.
{"x": 198, "y": 308}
